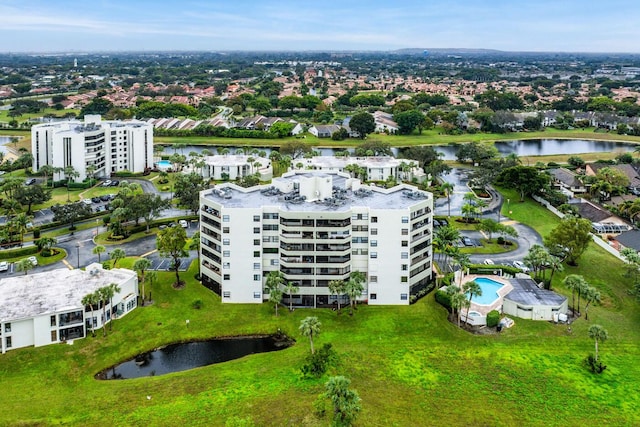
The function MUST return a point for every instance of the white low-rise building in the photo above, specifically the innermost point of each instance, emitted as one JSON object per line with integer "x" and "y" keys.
{"x": 378, "y": 168}
{"x": 315, "y": 227}
{"x": 104, "y": 146}
{"x": 46, "y": 308}
{"x": 235, "y": 166}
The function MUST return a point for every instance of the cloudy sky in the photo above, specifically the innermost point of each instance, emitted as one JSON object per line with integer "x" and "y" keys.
{"x": 515, "y": 25}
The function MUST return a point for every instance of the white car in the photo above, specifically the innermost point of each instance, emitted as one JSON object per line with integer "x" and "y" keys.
{"x": 33, "y": 260}
{"x": 183, "y": 223}
{"x": 87, "y": 202}
{"x": 4, "y": 266}
{"x": 520, "y": 265}
{"x": 106, "y": 183}
{"x": 488, "y": 262}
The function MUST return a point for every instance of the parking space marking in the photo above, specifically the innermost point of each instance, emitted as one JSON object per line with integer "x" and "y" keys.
{"x": 64, "y": 261}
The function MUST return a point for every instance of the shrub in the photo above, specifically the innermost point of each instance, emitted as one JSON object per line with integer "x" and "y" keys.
{"x": 500, "y": 240}
{"x": 36, "y": 233}
{"x": 493, "y": 317}
{"x": 595, "y": 367}
{"x": 318, "y": 363}
{"x": 197, "y": 304}
{"x": 14, "y": 253}
{"x": 444, "y": 299}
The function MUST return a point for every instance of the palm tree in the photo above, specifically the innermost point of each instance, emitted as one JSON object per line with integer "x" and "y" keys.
{"x": 103, "y": 296}
{"x": 46, "y": 171}
{"x": 447, "y": 189}
{"x": 337, "y": 288}
{"x": 458, "y": 301}
{"x": 99, "y": 249}
{"x": 573, "y": 282}
{"x": 463, "y": 261}
{"x": 354, "y": 288}
{"x": 91, "y": 300}
{"x": 310, "y": 327}
{"x": 446, "y": 237}
{"x": 275, "y": 279}
{"x": 25, "y": 265}
{"x": 140, "y": 266}
{"x": 471, "y": 288}
{"x": 91, "y": 169}
{"x": 21, "y": 222}
{"x": 113, "y": 289}
{"x": 117, "y": 254}
{"x": 598, "y": 334}
{"x": 70, "y": 174}
{"x": 591, "y": 294}
{"x": 291, "y": 289}
{"x": 194, "y": 245}
{"x": 150, "y": 277}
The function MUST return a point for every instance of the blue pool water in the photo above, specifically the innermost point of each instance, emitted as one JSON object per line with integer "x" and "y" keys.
{"x": 164, "y": 164}
{"x": 489, "y": 291}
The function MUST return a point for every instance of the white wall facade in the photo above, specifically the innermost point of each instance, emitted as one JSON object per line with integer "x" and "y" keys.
{"x": 108, "y": 146}
{"x": 242, "y": 244}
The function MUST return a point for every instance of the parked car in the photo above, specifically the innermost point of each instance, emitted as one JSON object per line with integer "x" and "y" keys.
{"x": 33, "y": 260}
{"x": 488, "y": 262}
{"x": 520, "y": 265}
{"x": 467, "y": 241}
{"x": 183, "y": 223}
{"x": 4, "y": 266}
{"x": 105, "y": 198}
{"x": 96, "y": 199}
{"x": 100, "y": 208}
{"x": 87, "y": 201}
{"x": 30, "y": 181}
{"x": 106, "y": 183}
{"x": 115, "y": 183}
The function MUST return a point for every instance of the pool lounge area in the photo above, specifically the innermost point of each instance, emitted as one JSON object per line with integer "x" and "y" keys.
{"x": 164, "y": 165}
{"x": 494, "y": 289}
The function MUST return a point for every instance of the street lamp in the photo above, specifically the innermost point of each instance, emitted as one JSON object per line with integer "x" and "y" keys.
{"x": 78, "y": 252}
{"x": 97, "y": 226}
{"x": 509, "y": 206}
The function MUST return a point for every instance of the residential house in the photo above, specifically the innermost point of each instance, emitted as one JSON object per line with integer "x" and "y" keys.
{"x": 323, "y": 131}
{"x": 565, "y": 179}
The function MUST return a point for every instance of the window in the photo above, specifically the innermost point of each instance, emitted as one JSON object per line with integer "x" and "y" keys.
{"x": 7, "y": 327}
{"x": 54, "y": 336}
{"x": 226, "y": 253}
{"x": 404, "y": 255}
{"x": 373, "y": 279}
{"x": 256, "y": 218}
{"x": 405, "y": 219}
{"x": 374, "y": 219}
{"x": 53, "y": 320}
{"x": 404, "y": 297}
{"x": 257, "y": 295}
{"x": 226, "y": 265}
{"x": 270, "y": 216}
{"x": 374, "y": 231}
{"x": 257, "y": 277}
{"x": 374, "y": 243}
{"x": 403, "y": 279}
{"x": 256, "y": 266}
{"x": 7, "y": 341}
{"x": 271, "y": 227}
{"x": 256, "y": 242}
{"x": 405, "y": 267}
{"x": 405, "y": 243}
{"x": 270, "y": 250}
{"x": 225, "y": 218}
{"x": 226, "y": 294}
{"x": 374, "y": 254}
{"x": 227, "y": 277}
{"x": 405, "y": 231}
{"x": 373, "y": 296}
{"x": 256, "y": 230}
{"x": 275, "y": 262}
{"x": 225, "y": 230}
{"x": 226, "y": 242}
{"x": 256, "y": 254}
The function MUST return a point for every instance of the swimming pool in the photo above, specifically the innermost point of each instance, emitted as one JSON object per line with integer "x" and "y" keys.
{"x": 489, "y": 291}
{"x": 164, "y": 164}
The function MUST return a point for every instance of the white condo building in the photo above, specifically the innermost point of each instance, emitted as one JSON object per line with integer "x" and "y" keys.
{"x": 378, "y": 168}
{"x": 46, "y": 308}
{"x": 316, "y": 227}
{"x": 107, "y": 146}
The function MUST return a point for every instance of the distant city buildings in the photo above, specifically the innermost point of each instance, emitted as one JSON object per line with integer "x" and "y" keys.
{"x": 93, "y": 146}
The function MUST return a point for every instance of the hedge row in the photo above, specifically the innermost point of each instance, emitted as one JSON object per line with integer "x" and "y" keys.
{"x": 444, "y": 299}
{"x": 13, "y": 253}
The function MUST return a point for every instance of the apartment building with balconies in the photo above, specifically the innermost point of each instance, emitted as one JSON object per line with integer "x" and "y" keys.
{"x": 316, "y": 227}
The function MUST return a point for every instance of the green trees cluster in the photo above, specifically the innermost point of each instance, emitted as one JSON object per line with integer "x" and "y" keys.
{"x": 171, "y": 243}
{"x": 101, "y": 297}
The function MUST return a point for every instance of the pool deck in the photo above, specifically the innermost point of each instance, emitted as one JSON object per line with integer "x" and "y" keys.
{"x": 497, "y": 304}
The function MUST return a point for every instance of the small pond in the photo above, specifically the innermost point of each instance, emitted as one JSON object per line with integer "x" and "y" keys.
{"x": 184, "y": 356}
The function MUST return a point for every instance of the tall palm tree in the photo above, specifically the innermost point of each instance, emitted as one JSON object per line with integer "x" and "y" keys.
{"x": 21, "y": 221}
{"x": 25, "y": 265}
{"x": 103, "y": 296}
{"x": 354, "y": 288}
{"x": 47, "y": 171}
{"x": 113, "y": 289}
{"x": 99, "y": 249}
{"x": 91, "y": 300}
{"x": 573, "y": 282}
{"x": 598, "y": 334}
{"x": 151, "y": 277}
{"x": 116, "y": 255}
{"x": 275, "y": 279}
{"x": 471, "y": 288}
{"x": 70, "y": 174}
{"x": 447, "y": 188}
{"x": 91, "y": 170}
{"x": 337, "y": 288}
{"x": 194, "y": 245}
{"x": 458, "y": 302}
{"x": 310, "y": 327}
{"x": 591, "y": 294}
{"x": 141, "y": 265}
{"x": 291, "y": 289}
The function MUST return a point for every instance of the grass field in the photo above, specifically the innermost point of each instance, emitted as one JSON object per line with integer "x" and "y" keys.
{"x": 409, "y": 365}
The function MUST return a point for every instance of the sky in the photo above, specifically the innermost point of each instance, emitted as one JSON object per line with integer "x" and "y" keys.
{"x": 330, "y": 25}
